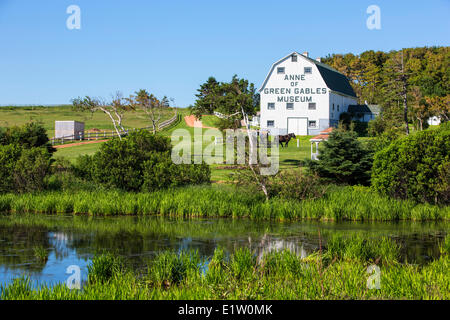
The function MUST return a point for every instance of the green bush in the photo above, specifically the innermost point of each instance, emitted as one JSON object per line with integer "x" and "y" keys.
{"x": 23, "y": 170}
{"x": 83, "y": 167}
{"x": 30, "y": 135}
{"x": 343, "y": 159}
{"x": 119, "y": 163}
{"x": 31, "y": 170}
{"x": 9, "y": 154}
{"x": 160, "y": 172}
{"x": 296, "y": 185}
{"x": 416, "y": 167}
{"x": 140, "y": 161}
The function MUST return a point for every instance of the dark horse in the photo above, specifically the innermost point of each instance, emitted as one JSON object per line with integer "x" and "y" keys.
{"x": 286, "y": 138}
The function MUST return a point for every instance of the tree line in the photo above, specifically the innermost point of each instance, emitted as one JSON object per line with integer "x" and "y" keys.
{"x": 410, "y": 85}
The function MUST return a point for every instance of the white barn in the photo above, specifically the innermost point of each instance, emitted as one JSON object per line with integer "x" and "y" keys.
{"x": 303, "y": 96}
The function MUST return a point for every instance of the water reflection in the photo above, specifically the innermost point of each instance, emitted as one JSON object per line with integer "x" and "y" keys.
{"x": 75, "y": 240}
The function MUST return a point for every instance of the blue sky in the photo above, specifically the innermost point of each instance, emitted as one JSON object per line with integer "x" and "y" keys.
{"x": 171, "y": 47}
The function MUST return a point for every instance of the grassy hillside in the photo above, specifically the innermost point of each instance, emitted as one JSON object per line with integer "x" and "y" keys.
{"x": 11, "y": 116}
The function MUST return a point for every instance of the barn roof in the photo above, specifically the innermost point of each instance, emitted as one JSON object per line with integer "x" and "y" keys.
{"x": 334, "y": 79}
{"x": 364, "y": 108}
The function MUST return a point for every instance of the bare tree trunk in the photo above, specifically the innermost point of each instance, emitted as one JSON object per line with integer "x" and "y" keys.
{"x": 258, "y": 180}
{"x": 113, "y": 121}
{"x": 405, "y": 98}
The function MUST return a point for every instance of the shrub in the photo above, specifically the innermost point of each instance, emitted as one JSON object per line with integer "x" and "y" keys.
{"x": 83, "y": 167}
{"x": 23, "y": 170}
{"x": 9, "y": 154}
{"x": 30, "y": 135}
{"x": 119, "y": 163}
{"x": 343, "y": 159}
{"x": 31, "y": 169}
{"x": 161, "y": 172}
{"x": 415, "y": 167}
{"x": 139, "y": 162}
{"x": 295, "y": 185}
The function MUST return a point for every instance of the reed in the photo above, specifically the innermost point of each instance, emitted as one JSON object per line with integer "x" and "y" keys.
{"x": 277, "y": 275}
{"x": 40, "y": 253}
{"x": 340, "y": 203}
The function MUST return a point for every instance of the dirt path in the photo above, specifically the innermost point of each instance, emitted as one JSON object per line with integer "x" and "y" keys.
{"x": 192, "y": 121}
{"x": 77, "y": 144}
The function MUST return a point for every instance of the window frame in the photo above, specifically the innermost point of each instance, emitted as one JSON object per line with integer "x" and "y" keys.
{"x": 281, "y": 70}
{"x": 271, "y": 126}
{"x": 269, "y": 104}
{"x": 309, "y": 124}
{"x": 289, "y": 103}
{"x": 307, "y": 68}
{"x": 310, "y": 104}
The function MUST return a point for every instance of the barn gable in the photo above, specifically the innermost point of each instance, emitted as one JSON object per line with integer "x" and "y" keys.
{"x": 334, "y": 80}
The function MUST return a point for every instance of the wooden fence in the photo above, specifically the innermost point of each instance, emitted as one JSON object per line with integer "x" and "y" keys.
{"x": 102, "y": 135}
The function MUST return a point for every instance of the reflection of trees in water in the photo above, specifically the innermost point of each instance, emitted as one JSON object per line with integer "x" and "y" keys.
{"x": 420, "y": 248}
{"x": 16, "y": 247}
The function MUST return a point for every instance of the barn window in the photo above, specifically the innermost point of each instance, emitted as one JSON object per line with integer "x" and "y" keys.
{"x": 338, "y": 108}
{"x": 333, "y": 106}
{"x": 289, "y": 106}
{"x": 270, "y": 123}
{"x": 294, "y": 58}
{"x": 312, "y": 106}
{"x": 312, "y": 124}
{"x": 308, "y": 70}
{"x": 280, "y": 70}
{"x": 271, "y": 106}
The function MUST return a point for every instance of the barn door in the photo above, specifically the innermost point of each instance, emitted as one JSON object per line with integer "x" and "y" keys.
{"x": 299, "y": 126}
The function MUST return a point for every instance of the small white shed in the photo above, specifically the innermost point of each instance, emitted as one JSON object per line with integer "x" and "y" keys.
{"x": 69, "y": 129}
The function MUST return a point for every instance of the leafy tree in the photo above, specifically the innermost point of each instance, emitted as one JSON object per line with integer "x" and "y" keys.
{"x": 152, "y": 106}
{"x": 30, "y": 135}
{"x": 396, "y": 80}
{"x": 23, "y": 169}
{"x": 343, "y": 159}
{"x": 439, "y": 106}
{"x": 115, "y": 109}
{"x": 208, "y": 97}
{"x": 228, "y": 98}
{"x": 416, "y": 167}
{"x": 9, "y": 154}
{"x": 31, "y": 169}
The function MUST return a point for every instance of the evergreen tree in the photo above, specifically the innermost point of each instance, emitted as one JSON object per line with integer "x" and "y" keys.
{"x": 343, "y": 159}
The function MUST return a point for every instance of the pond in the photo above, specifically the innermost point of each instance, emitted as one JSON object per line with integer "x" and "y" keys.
{"x": 74, "y": 240}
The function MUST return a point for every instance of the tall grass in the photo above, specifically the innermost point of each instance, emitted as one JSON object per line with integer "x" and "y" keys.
{"x": 278, "y": 275}
{"x": 344, "y": 203}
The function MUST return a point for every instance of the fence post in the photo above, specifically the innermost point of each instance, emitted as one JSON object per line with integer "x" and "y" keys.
{"x": 298, "y": 143}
